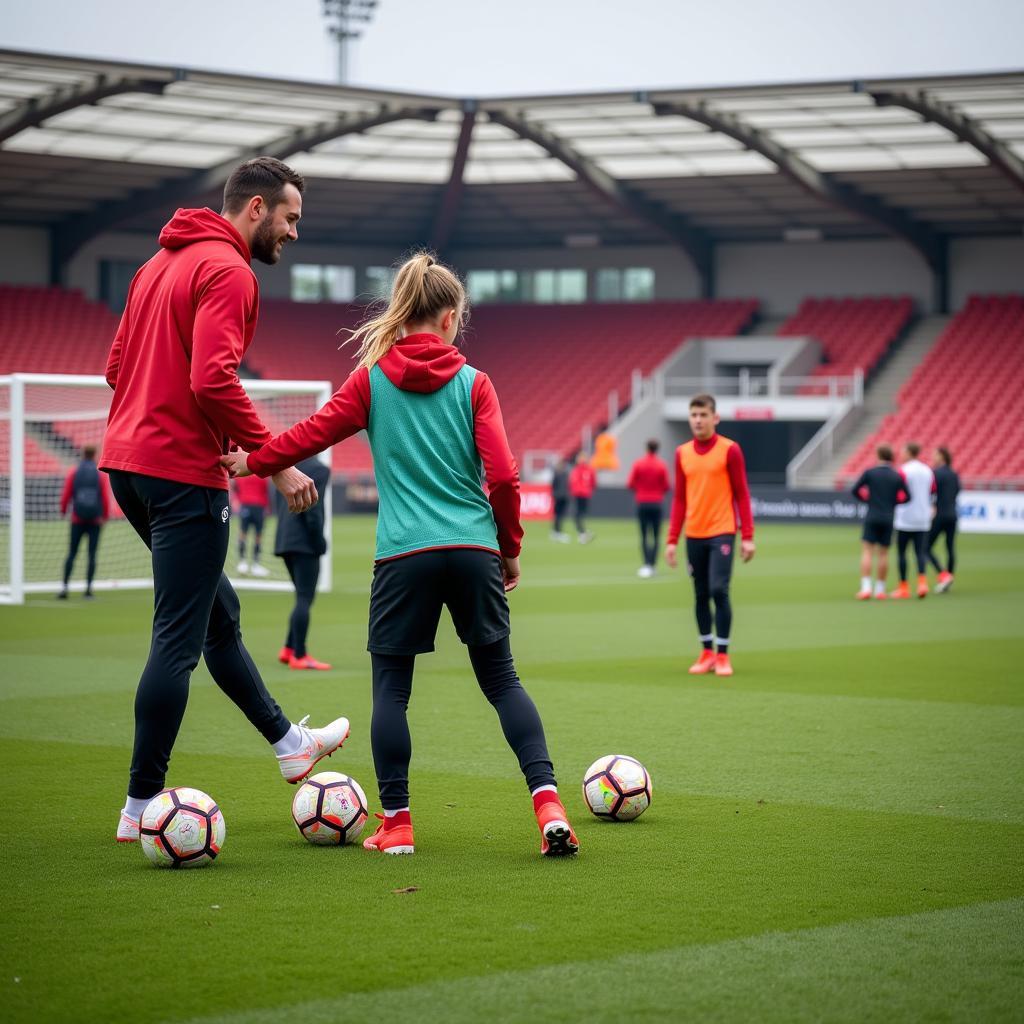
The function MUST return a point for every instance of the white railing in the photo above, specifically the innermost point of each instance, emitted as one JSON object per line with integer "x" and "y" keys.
{"x": 748, "y": 385}
{"x": 822, "y": 446}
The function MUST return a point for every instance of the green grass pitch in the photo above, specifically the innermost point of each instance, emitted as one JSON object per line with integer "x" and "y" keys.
{"x": 837, "y": 832}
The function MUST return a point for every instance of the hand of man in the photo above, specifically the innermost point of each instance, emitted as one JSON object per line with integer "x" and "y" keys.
{"x": 747, "y": 550}
{"x": 510, "y": 573}
{"x": 236, "y": 463}
{"x": 299, "y": 491}
{"x": 670, "y": 555}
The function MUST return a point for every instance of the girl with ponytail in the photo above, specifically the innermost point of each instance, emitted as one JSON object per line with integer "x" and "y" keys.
{"x": 434, "y": 423}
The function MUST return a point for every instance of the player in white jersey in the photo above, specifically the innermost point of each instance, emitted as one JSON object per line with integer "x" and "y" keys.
{"x": 914, "y": 519}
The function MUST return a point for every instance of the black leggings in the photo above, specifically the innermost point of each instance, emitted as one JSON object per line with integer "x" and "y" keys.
{"x": 195, "y": 611}
{"x": 78, "y": 531}
{"x": 943, "y": 527}
{"x": 650, "y": 526}
{"x": 919, "y": 538}
{"x": 305, "y": 572}
{"x": 560, "y": 505}
{"x": 710, "y": 560}
{"x": 496, "y": 674}
{"x": 582, "y": 504}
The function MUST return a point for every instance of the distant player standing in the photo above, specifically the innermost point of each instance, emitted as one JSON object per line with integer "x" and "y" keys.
{"x": 883, "y": 488}
{"x": 582, "y": 484}
{"x": 86, "y": 494}
{"x": 254, "y": 502}
{"x": 648, "y": 480}
{"x": 947, "y": 487}
{"x": 178, "y": 403}
{"x": 711, "y": 488}
{"x": 914, "y": 520}
{"x": 559, "y": 499}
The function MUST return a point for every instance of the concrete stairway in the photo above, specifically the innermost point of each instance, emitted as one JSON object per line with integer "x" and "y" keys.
{"x": 880, "y": 397}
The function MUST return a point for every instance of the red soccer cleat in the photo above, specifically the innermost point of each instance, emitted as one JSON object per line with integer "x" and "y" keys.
{"x": 557, "y": 838}
{"x": 723, "y": 667}
{"x": 393, "y": 835}
{"x": 922, "y": 586}
{"x": 863, "y": 595}
{"x": 308, "y": 662}
{"x": 285, "y": 655}
{"x": 945, "y": 582}
{"x": 704, "y": 664}
{"x": 902, "y": 592}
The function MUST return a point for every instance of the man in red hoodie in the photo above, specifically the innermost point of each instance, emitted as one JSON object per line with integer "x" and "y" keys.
{"x": 648, "y": 480}
{"x": 582, "y": 483}
{"x": 178, "y": 406}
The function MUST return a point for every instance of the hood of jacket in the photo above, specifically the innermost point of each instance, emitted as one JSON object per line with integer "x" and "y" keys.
{"x": 421, "y": 362}
{"x": 188, "y": 226}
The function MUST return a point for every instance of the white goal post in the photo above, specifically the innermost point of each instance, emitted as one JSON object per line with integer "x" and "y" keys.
{"x": 45, "y": 422}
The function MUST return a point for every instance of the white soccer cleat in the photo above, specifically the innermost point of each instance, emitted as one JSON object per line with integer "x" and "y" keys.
{"x": 242, "y": 568}
{"x": 127, "y": 829}
{"x": 645, "y": 572}
{"x": 316, "y": 744}
{"x": 259, "y": 570}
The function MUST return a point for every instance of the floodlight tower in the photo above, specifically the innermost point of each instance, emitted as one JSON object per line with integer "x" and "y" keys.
{"x": 343, "y": 17}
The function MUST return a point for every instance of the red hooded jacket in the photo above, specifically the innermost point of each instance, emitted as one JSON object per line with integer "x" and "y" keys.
{"x": 417, "y": 362}
{"x": 190, "y": 316}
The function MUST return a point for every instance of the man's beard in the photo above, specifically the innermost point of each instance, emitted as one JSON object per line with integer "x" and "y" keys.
{"x": 264, "y": 242}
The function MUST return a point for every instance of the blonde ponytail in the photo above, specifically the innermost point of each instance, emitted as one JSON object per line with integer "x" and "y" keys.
{"x": 422, "y": 289}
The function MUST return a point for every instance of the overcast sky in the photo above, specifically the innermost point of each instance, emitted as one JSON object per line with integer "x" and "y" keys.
{"x": 489, "y": 47}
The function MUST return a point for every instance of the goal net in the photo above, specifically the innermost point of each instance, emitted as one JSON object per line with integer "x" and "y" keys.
{"x": 45, "y": 422}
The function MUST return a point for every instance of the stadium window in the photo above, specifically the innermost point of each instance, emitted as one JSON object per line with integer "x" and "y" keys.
{"x": 634, "y": 284}
{"x": 572, "y": 286}
{"x": 314, "y": 283}
{"x": 638, "y": 284}
{"x": 483, "y": 285}
{"x": 555, "y": 285}
{"x": 609, "y": 285}
{"x": 379, "y": 280}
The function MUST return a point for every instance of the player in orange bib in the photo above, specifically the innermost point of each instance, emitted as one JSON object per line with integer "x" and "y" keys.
{"x": 713, "y": 500}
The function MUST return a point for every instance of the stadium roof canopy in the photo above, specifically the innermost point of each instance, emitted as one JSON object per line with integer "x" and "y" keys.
{"x": 89, "y": 146}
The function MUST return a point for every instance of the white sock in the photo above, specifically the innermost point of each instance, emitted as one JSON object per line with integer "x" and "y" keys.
{"x": 543, "y": 789}
{"x": 289, "y": 742}
{"x": 397, "y": 810}
{"x": 134, "y": 806}
{"x": 879, "y": 586}
{"x": 865, "y": 583}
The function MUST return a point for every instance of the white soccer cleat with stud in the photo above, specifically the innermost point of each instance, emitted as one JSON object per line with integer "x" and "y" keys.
{"x": 315, "y": 745}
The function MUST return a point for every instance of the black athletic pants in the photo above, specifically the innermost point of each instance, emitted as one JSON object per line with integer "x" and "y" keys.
{"x": 561, "y": 504}
{"x": 78, "y": 531}
{"x": 582, "y": 504}
{"x": 649, "y": 515}
{"x": 305, "y": 572}
{"x": 496, "y": 674}
{"x": 919, "y": 539}
{"x": 944, "y": 526}
{"x": 195, "y": 611}
{"x": 710, "y": 562}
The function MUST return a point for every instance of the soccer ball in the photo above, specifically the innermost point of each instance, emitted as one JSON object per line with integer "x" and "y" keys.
{"x": 181, "y": 828}
{"x": 329, "y": 809}
{"x": 617, "y": 788}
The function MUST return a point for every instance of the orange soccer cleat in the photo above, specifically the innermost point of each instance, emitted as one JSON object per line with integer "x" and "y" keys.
{"x": 557, "y": 838}
{"x": 704, "y": 664}
{"x": 393, "y": 835}
{"x": 863, "y": 595}
{"x": 902, "y": 592}
{"x": 285, "y": 655}
{"x": 307, "y": 661}
{"x": 922, "y": 586}
{"x": 945, "y": 582}
{"x": 723, "y": 666}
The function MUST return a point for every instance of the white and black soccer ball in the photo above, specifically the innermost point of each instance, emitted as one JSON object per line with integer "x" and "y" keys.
{"x": 329, "y": 809}
{"x": 617, "y": 787}
{"x": 182, "y": 828}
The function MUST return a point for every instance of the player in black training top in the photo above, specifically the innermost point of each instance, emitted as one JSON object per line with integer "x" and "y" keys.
{"x": 883, "y": 488}
{"x": 947, "y": 487}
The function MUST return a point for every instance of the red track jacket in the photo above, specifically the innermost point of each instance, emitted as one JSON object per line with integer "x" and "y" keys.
{"x": 190, "y": 316}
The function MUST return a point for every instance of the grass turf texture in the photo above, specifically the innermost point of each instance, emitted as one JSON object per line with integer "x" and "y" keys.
{"x": 836, "y": 831}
